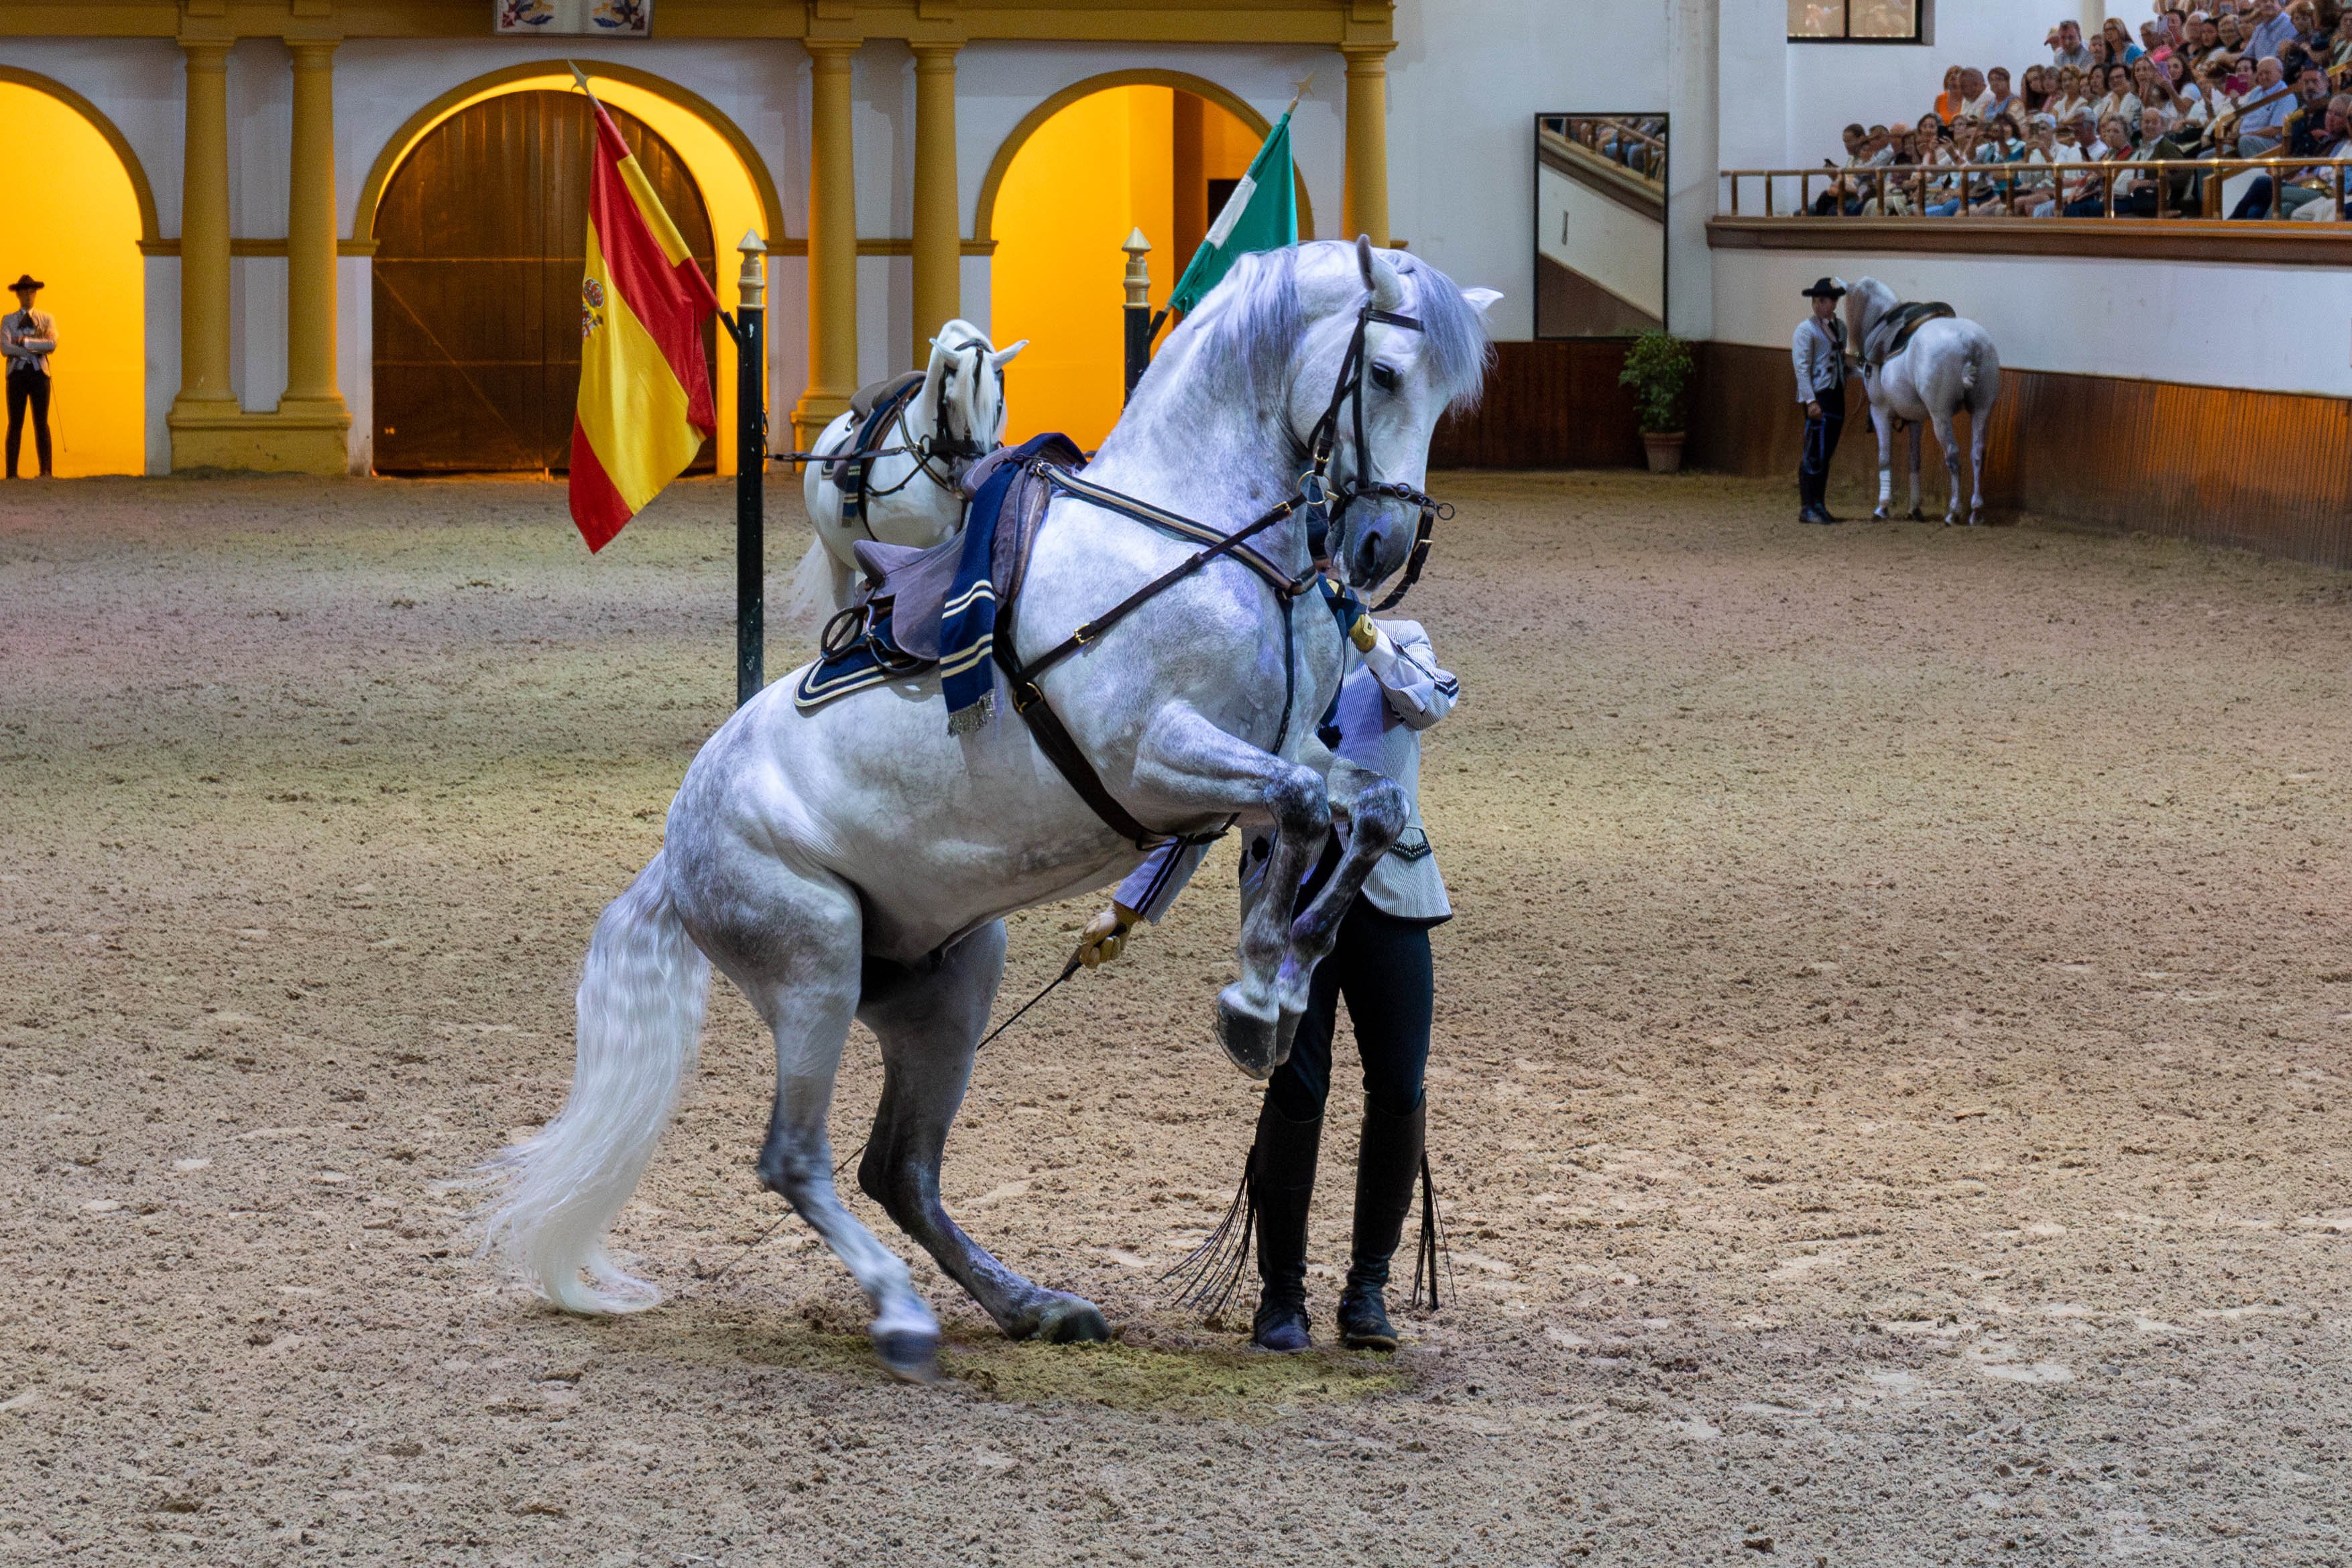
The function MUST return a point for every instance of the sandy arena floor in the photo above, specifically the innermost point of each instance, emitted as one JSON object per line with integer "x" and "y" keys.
{"x": 1890, "y": 1082}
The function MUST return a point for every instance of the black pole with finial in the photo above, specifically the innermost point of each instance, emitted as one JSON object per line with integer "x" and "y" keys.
{"x": 751, "y": 470}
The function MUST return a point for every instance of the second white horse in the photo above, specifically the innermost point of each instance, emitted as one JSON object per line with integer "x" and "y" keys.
{"x": 1945, "y": 363}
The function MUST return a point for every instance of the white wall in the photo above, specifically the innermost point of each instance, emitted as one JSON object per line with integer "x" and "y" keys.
{"x": 2084, "y": 315}
{"x": 1621, "y": 249}
{"x": 1466, "y": 82}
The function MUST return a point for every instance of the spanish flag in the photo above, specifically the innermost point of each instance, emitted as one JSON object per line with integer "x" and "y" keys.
{"x": 644, "y": 393}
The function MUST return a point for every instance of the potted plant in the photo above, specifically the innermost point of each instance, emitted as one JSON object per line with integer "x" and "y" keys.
{"x": 1658, "y": 369}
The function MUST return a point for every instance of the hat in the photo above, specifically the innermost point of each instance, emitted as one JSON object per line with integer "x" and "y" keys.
{"x": 1827, "y": 288}
{"x": 27, "y": 281}
{"x": 2042, "y": 121}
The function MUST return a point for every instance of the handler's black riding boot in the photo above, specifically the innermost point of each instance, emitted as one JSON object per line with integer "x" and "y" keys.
{"x": 1282, "y": 1188}
{"x": 1387, "y": 1162}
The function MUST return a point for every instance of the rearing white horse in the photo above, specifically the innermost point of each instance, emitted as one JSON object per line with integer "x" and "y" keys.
{"x": 1949, "y": 363}
{"x": 857, "y": 861}
{"x": 912, "y": 495}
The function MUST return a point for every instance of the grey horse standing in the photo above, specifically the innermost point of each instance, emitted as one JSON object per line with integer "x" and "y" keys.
{"x": 1948, "y": 365}
{"x": 856, "y": 862}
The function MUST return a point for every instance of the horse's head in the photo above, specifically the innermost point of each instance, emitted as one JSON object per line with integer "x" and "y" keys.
{"x": 965, "y": 385}
{"x": 1866, "y": 299}
{"x": 1388, "y": 345}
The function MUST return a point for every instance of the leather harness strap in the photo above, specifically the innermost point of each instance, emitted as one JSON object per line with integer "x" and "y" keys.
{"x": 1027, "y": 506}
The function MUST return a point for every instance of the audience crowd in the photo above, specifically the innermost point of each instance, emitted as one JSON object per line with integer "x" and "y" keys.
{"x": 2247, "y": 78}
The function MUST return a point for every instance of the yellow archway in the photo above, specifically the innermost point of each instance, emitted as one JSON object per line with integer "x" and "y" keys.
{"x": 1099, "y": 162}
{"x": 983, "y": 227}
{"x": 734, "y": 182}
{"x": 79, "y": 217}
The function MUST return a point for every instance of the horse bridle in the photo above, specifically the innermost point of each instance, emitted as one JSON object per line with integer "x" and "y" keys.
{"x": 1324, "y": 505}
{"x": 942, "y": 442}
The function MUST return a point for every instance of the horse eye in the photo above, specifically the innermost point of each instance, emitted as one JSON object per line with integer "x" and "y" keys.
{"x": 1385, "y": 377}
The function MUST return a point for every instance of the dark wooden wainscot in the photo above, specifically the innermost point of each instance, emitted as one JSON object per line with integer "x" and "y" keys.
{"x": 1552, "y": 404}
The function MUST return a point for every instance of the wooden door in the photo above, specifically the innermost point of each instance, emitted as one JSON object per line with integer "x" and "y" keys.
{"x": 481, "y": 244}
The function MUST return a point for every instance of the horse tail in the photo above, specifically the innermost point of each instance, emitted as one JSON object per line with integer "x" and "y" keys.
{"x": 640, "y": 1023}
{"x": 820, "y": 588}
{"x": 1968, "y": 370}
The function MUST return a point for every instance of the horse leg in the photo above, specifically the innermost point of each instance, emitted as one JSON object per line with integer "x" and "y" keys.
{"x": 1951, "y": 445}
{"x": 792, "y": 943}
{"x": 1916, "y": 432}
{"x": 1884, "y": 424}
{"x": 1376, "y": 810}
{"x": 928, "y": 1021}
{"x": 1979, "y": 419}
{"x": 1185, "y": 758}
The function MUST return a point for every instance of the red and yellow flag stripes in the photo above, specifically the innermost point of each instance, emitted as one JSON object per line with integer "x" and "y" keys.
{"x": 644, "y": 393}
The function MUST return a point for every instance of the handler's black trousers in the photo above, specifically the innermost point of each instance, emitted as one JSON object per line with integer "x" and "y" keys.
{"x": 28, "y": 388}
{"x": 1381, "y": 965}
{"x": 1821, "y": 445}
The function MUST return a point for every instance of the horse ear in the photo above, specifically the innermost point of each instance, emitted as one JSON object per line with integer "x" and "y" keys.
{"x": 1481, "y": 299}
{"x": 1003, "y": 357}
{"x": 1387, "y": 289}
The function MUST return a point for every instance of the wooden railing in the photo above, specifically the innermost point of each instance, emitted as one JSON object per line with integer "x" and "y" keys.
{"x": 1913, "y": 182}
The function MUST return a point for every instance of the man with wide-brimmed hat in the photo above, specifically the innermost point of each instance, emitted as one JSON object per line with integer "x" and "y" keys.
{"x": 27, "y": 338}
{"x": 1819, "y": 349}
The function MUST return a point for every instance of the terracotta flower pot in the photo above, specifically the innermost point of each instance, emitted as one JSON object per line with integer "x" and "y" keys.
{"x": 1666, "y": 450}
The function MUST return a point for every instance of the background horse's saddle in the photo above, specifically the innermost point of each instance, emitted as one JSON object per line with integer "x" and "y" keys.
{"x": 1894, "y": 331}
{"x": 876, "y": 395}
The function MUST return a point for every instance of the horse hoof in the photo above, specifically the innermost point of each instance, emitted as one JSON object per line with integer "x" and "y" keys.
{"x": 909, "y": 1355}
{"x": 1917, "y": 516}
{"x": 1071, "y": 1320}
{"x": 1254, "y": 1044}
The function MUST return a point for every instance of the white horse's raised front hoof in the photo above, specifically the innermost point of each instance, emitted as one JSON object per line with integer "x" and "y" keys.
{"x": 1066, "y": 1319}
{"x": 1255, "y": 1044}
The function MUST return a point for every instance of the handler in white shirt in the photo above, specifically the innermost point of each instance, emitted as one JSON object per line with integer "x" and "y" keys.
{"x": 1380, "y": 965}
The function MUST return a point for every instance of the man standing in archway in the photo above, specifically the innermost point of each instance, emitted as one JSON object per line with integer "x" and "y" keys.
{"x": 28, "y": 337}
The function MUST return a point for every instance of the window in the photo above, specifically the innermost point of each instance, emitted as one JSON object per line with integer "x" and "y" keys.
{"x": 1854, "y": 21}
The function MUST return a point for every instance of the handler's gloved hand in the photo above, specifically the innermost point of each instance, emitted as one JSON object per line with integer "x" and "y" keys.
{"x": 1105, "y": 936}
{"x": 1364, "y": 633}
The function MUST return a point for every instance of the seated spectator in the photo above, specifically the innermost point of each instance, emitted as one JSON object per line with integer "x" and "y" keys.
{"x": 2101, "y": 59}
{"x": 2232, "y": 39}
{"x": 2070, "y": 95}
{"x": 1999, "y": 99}
{"x": 2259, "y": 128}
{"x": 2305, "y": 130}
{"x": 2066, "y": 49}
{"x": 2145, "y": 74}
{"x": 2033, "y": 90}
{"x": 2118, "y": 100}
{"x": 2269, "y": 197}
{"x": 2121, "y": 50}
{"x": 2339, "y": 49}
{"x": 2031, "y": 190}
{"x": 1842, "y": 194}
{"x": 1949, "y": 102}
{"x": 1975, "y": 97}
{"x": 2089, "y": 198}
{"x": 2272, "y": 31}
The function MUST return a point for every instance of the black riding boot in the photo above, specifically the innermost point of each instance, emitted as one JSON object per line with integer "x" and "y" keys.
{"x": 1387, "y": 1161}
{"x": 1282, "y": 1188}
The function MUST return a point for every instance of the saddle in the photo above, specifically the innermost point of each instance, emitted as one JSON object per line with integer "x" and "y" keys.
{"x": 1894, "y": 329}
{"x": 935, "y": 607}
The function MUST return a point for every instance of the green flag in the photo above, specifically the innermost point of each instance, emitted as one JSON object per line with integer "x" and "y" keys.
{"x": 1261, "y": 214}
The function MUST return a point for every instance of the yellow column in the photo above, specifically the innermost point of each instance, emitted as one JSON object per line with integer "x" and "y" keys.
{"x": 832, "y": 243}
{"x": 205, "y": 389}
{"x": 938, "y": 231}
{"x": 311, "y": 234}
{"x": 1365, "y": 207}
